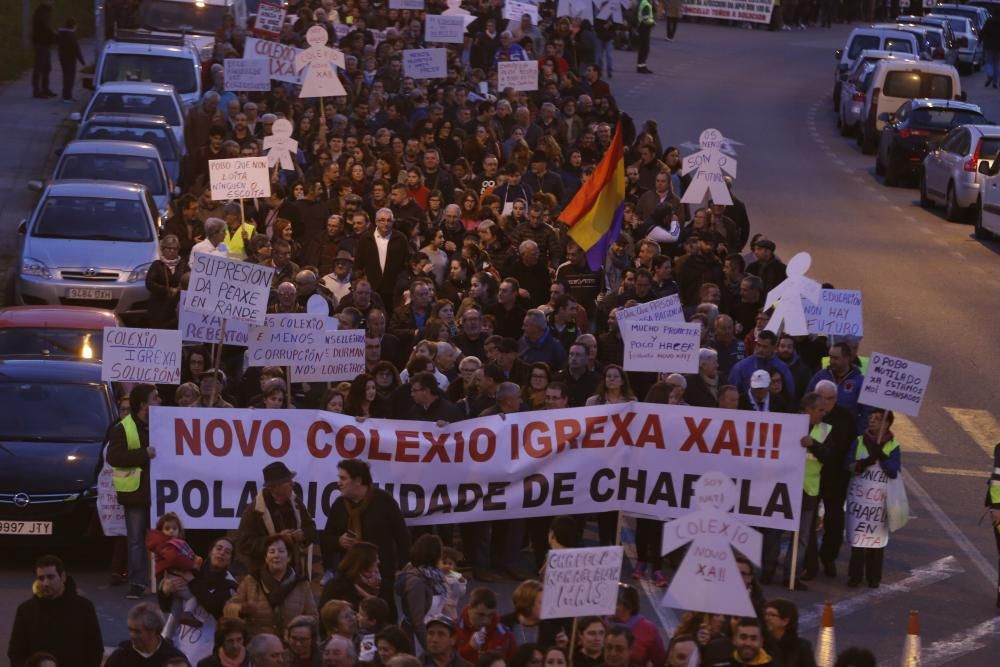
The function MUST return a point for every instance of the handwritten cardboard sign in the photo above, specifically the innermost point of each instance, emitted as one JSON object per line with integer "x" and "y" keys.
{"x": 239, "y": 178}
{"x": 444, "y": 29}
{"x": 838, "y": 313}
{"x": 518, "y": 75}
{"x": 867, "y": 519}
{"x": 895, "y": 384}
{"x": 228, "y": 288}
{"x": 581, "y": 582}
{"x": 342, "y": 358}
{"x": 514, "y": 9}
{"x": 270, "y": 18}
{"x": 141, "y": 355}
{"x": 406, "y": 4}
{"x": 202, "y": 328}
{"x": 280, "y": 58}
{"x": 664, "y": 309}
{"x": 242, "y": 74}
{"x": 425, "y": 63}
{"x": 109, "y": 511}
{"x": 286, "y": 339}
{"x": 663, "y": 347}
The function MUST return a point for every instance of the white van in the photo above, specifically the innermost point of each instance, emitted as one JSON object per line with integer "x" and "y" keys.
{"x": 871, "y": 39}
{"x": 896, "y": 82}
{"x": 155, "y": 58}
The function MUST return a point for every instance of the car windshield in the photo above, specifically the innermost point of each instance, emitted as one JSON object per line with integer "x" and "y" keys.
{"x": 989, "y": 148}
{"x": 860, "y": 43}
{"x": 944, "y": 118}
{"x": 81, "y": 412}
{"x": 178, "y": 72}
{"x": 173, "y": 16}
{"x": 156, "y": 136}
{"x": 934, "y": 38}
{"x": 898, "y": 45}
{"x": 93, "y": 219}
{"x": 909, "y": 85}
{"x": 106, "y": 167}
{"x": 156, "y": 105}
{"x": 78, "y": 343}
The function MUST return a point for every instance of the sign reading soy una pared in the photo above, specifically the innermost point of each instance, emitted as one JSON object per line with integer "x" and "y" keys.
{"x": 270, "y": 18}
{"x": 242, "y": 74}
{"x": 141, "y": 355}
{"x": 425, "y": 63}
{"x": 581, "y": 582}
{"x": 733, "y": 10}
{"x": 837, "y": 314}
{"x": 638, "y": 458}
{"x": 229, "y": 288}
{"x": 895, "y": 384}
{"x": 518, "y": 75}
{"x": 342, "y": 357}
{"x": 661, "y": 347}
{"x": 202, "y": 328}
{"x": 280, "y": 58}
{"x": 239, "y": 178}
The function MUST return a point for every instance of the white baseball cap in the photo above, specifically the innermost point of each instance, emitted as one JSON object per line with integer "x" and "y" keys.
{"x": 760, "y": 379}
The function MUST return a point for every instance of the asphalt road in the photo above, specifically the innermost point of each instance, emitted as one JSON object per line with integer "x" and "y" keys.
{"x": 929, "y": 293}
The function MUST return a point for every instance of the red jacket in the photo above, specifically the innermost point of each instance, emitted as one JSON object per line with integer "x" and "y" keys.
{"x": 172, "y": 553}
{"x": 499, "y": 638}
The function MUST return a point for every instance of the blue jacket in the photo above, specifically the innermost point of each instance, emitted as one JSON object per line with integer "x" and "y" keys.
{"x": 546, "y": 349}
{"x": 740, "y": 375}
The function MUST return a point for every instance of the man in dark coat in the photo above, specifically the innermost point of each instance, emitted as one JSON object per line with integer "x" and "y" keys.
{"x": 365, "y": 513}
{"x": 56, "y": 620}
{"x": 382, "y": 255}
{"x": 276, "y": 511}
{"x": 42, "y": 39}
{"x": 69, "y": 55}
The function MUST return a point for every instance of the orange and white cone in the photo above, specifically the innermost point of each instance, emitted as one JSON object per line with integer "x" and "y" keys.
{"x": 826, "y": 644}
{"x": 911, "y": 650}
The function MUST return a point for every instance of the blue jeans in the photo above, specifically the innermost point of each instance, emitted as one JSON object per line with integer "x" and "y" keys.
{"x": 136, "y": 527}
{"x": 604, "y": 50}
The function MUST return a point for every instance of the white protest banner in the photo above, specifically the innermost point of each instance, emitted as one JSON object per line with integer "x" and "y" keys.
{"x": 581, "y": 582}
{"x": 141, "y": 355}
{"x": 639, "y": 458}
{"x": 280, "y": 58}
{"x": 425, "y": 63}
{"x": 444, "y": 29}
{"x": 895, "y": 384}
{"x": 610, "y": 10}
{"x": 342, "y": 358}
{"x": 242, "y": 74}
{"x": 867, "y": 520}
{"x": 837, "y": 314}
{"x": 239, "y": 178}
{"x": 202, "y": 328}
{"x": 519, "y": 75}
{"x": 286, "y": 339}
{"x": 109, "y": 511}
{"x": 664, "y": 309}
{"x": 514, "y": 9}
{"x": 580, "y": 9}
{"x": 229, "y": 288}
{"x": 661, "y": 347}
{"x": 406, "y": 4}
{"x": 752, "y": 11}
{"x": 270, "y": 18}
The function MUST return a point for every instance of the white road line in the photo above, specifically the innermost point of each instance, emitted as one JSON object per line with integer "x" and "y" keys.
{"x": 911, "y": 436}
{"x": 847, "y": 170}
{"x": 910, "y": 218}
{"x": 979, "y": 425}
{"x": 871, "y": 188}
{"x": 957, "y": 472}
{"x": 859, "y": 179}
{"x": 883, "y": 198}
{"x": 947, "y": 651}
{"x": 915, "y": 490}
{"x": 896, "y": 208}
{"x": 920, "y": 577}
{"x": 958, "y": 254}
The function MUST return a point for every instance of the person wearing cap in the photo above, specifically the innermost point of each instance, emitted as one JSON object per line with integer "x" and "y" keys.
{"x": 697, "y": 269}
{"x": 763, "y": 358}
{"x": 338, "y": 282}
{"x": 276, "y": 510}
{"x": 440, "y": 649}
{"x": 540, "y": 179}
{"x": 238, "y": 232}
{"x": 767, "y": 267}
{"x": 759, "y": 397}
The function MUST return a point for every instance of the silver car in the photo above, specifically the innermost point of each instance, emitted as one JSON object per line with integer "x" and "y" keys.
{"x": 157, "y": 99}
{"x": 950, "y": 173}
{"x": 88, "y": 243}
{"x": 970, "y": 49}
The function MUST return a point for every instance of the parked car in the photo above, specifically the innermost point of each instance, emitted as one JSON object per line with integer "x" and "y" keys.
{"x": 978, "y": 15}
{"x": 137, "y": 127}
{"x": 950, "y": 174}
{"x": 854, "y": 86}
{"x": 888, "y": 37}
{"x": 158, "y": 99}
{"x": 970, "y": 50}
{"x": 75, "y": 332}
{"x": 89, "y": 243}
{"x": 141, "y": 56}
{"x": 910, "y": 131}
{"x": 57, "y": 414}
{"x": 942, "y": 47}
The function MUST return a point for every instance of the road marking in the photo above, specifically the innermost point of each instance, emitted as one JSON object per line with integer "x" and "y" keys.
{"x": 957, "y": 472}
{"x": 911, "y": 437}
{"x": 947, "y": 651}
{"x": 979, "y": 425}
{"x": 958, "y": 254}
{"x": 910, "y": 218}
{"x": 894, "y": 207}
{"x": 920, "y": 577}
{"x": 883, "y": 198}
{"x": 859, "y": 179}
{"x": 871, "y": 188}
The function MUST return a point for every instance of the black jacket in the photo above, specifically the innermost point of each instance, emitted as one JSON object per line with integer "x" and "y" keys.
{"x": 66, "y": 627}
{"x": 69, "y": 47}
{"x": 120, "y": 456}
{"x": 366, "y": 260}
{"x": 126, "y": 656}
{"x": 162, "y": 313}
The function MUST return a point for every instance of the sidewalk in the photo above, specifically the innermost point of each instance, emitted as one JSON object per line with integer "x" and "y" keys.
{"x": 30, "y": 131}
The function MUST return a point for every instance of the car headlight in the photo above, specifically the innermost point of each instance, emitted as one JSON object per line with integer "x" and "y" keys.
{"x": 32, "y": 267}
{"x": 139, "y": 273}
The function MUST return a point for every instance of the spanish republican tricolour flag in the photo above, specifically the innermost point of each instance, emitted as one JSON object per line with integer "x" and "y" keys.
{"x": 594, "y": 215}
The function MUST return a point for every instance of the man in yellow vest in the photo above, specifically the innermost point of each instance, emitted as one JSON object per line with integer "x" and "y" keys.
{"x": 647, "y": 19}
{"x": 238, "y": 233}
{"x": 129, "y": 455}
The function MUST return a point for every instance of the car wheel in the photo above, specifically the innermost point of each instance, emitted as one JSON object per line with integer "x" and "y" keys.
{"x": 836, "y": 97}
{"x": 952, "y": 211}
{"x": 879, "y": 167}
{"x": 925, "y": 201}
{"x": 845, "y": 129}
{"x": 978, "y": 230}
{"x": 868, "y": 142}
{"x": 891, "y": 177}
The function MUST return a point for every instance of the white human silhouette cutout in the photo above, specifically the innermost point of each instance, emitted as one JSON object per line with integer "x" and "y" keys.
{"x": 709, "y": 164}
{"x": 279, "y": 145}
{"x": 708, "y": 579}
{"x": 455, "y": 9}
{"x": 788, "y": 295}
{"x": 321, "y": 77}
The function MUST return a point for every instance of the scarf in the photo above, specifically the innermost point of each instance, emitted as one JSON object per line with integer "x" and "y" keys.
{"x": 369, "y": 584}
{"x": 354, "y": 512}
{"x": 171, "y": 264}
{"x": 434, "y": 579}
{"x": 276, "y": 591}
{"x": 232, "y": 662}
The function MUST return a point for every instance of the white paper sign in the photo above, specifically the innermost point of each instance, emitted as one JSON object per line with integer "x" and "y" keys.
{"x": 242, "y": 74}
{"x": 514, "y": 9}
{"x": 867, "y": 520}
{"x": 229, "y": 288}
{"x": 425, "y": 63}
{"x": 790, "y": 297}
{"x": 707, "y": 167}
{"x": 269, "y": 19}
{"x": 444, "y": 29}
{"x": 280, "y": 58}
{"x": 141, "y": 355}
{"x": 318, "y": 64}
{"x": 519, "y": 75}
{"x": 581, "y": 9}
{"x": 202, "y": 328}
{"x": 111, "y": 514}
{"x": 286, "y": 339}
{"x": 342, "y": 358}
{"x": 581, "y": 582}
{"x": 195, "y": 643}
{"x": 664, "y": 309}
{"x": 239, "y": 178}
{"x": 661, "y": 347}
{"x": 406, "y": 4}
{"x": 895, "y": 384}
{"x": 837, "y": 314}
{"x": 279, "y": 145}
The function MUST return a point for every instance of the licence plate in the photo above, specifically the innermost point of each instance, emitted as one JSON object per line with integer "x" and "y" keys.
{"x": 88, "y": 293}
{"x": 25, "y": 527}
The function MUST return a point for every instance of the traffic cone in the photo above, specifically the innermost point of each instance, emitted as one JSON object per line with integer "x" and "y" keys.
{"x": 826, "y": 644}
{"x": 911, "y": 650}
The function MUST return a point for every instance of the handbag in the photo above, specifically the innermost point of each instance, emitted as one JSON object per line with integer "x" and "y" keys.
{"x": 896, "y": 502}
